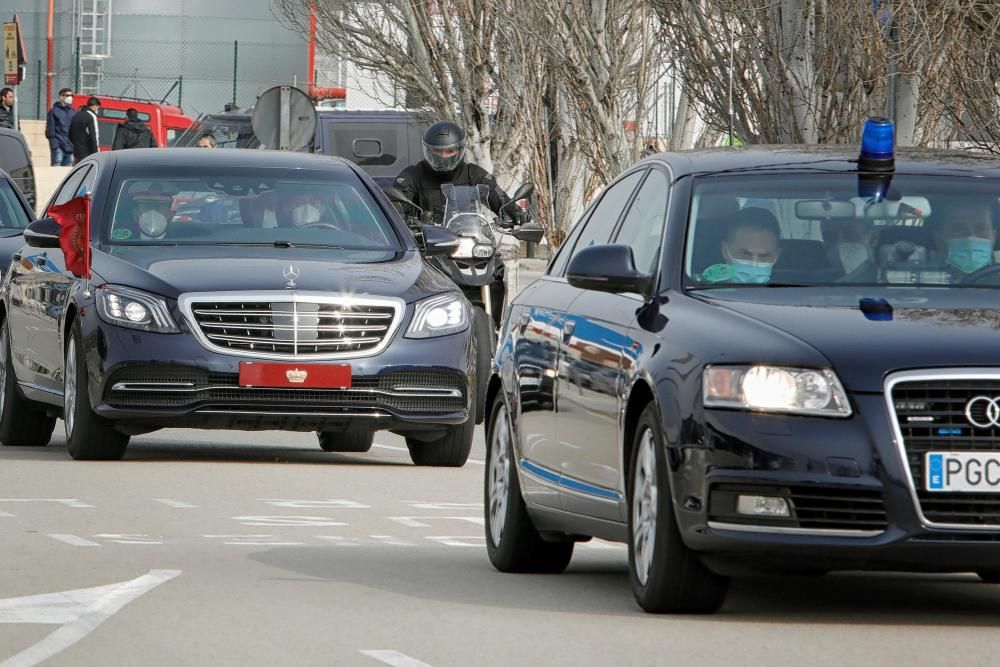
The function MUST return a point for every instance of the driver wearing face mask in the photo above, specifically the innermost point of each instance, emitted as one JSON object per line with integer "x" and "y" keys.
{"x": 151, "y": 212}
{"x": 850, "y": 249}
{"x": 965, "y": 235}
{"x": 298, "y": 209}
{"x": 749, "y": 248}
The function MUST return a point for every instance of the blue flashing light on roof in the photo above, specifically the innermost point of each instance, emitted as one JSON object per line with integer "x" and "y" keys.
{"x": 877, "y": 145}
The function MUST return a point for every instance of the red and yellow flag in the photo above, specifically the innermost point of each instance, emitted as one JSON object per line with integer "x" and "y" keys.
{"x": 74, "y": 237}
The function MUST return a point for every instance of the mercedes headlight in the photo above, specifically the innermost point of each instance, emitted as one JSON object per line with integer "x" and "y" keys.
{"x": 134, "y": 309}
{"x": 472, "y": 248}
{"x": 439, "y": 316}
{"x": 800, "y": 391}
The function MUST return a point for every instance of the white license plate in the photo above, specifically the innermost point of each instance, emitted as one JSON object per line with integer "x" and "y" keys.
{"x": 971, "y": 472}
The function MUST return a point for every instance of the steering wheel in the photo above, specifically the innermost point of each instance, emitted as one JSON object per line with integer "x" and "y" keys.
{"x": 977, "y": 276}
{"x": 319, "y": 225}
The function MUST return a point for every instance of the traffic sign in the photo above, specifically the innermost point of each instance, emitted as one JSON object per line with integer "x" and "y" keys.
{"x": 10, "y": 54}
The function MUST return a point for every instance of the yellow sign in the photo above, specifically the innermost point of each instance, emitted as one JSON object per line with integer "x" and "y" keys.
{"x": 10, "y": 54}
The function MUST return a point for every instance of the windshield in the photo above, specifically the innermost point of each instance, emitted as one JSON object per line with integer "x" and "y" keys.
{"x": 247, "y": 206}
{"x": 842, "y": 229}
{"x": 466, "y": 212}
{"x": 228, "y": 130}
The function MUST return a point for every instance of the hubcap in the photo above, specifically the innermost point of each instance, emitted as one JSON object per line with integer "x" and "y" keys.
{"x": 644, "y": 506}
{"x": 499, "y": 475}
{"x": 69, "y": 406}
{"x": 3, "y": 368}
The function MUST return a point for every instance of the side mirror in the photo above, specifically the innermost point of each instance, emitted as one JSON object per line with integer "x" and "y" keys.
{"x": 438, "y": 240}
{"x": 532, "y": 232}
{"x": 607, "y": 268}
{"x": 43, "y": 233}
{"x": 398, "y": 197}
{"x": 524, "y": 191}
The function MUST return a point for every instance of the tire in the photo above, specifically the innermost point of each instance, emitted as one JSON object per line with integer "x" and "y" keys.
{"x": 352, "y": 441}
{"x": 666, "y": 576}
{"x": 88, "y": 436}
{"x": 512, "y": 543}
{"x": 449, "y": 451}
{"x": 22, "y": 424}
{"x": 483, "y": 324}
{"x": 989, "y": 576}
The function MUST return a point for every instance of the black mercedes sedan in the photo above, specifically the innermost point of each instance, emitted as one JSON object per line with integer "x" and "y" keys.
{"x": 769, "y": 359}
{"x": 236, "y": 290}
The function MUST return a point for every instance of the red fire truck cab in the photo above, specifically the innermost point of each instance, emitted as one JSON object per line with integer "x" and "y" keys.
{"x": 165, "y": 120}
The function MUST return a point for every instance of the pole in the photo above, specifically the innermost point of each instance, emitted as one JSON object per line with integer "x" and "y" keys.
{"x": 311, "y": 66}
{"x": 38, "y": 91}
{"x": 890, "y": 93}
{"x": 180, "y": 88}
{"x": 48, "y": 64}
{"x": 76, "y": 87}
{"x": 731, "y": 47}
{"x": 236, "y": 58}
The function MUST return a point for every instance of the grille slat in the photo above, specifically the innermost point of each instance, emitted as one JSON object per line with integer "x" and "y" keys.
{"x": 945, "y": 400}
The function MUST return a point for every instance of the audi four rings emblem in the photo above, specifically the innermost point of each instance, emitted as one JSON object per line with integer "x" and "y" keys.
{"x": 291, "y": 273}
{"x": 990, "y": 411}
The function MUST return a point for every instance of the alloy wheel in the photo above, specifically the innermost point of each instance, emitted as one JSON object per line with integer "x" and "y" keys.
{"x": 69, "y": 404}
{"x": 644, "y": 494}
{"x": 499, "y": 475}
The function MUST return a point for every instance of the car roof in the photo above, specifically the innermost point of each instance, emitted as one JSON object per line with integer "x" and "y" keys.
{"x": 821, "y": 158}
{"x": 219, "y": 158}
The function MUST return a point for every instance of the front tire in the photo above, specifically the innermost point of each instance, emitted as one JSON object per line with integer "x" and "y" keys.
{"x": 512, "y": 543}
{"x": 352, "y": 441}
{"x": 88, "y": 436}
{"x": 22, "y": 424}
{"x": 666, "y": 576}
{"x": 449, "y": 451}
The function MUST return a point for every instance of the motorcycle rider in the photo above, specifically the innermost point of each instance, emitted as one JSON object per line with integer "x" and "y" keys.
{"x": 444, "y": 162}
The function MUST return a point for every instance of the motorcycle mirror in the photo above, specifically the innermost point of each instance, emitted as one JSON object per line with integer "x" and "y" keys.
{"x": 531, "y": 232}
{"x": 395, "y": 195}
{"x": 524, "y": 191}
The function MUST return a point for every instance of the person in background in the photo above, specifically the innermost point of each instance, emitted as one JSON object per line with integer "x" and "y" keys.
{"x": 850, "y": 248}
{"x": 83, "y": 132}
{"x": 57, "y": 122}
{"x": 133, "y": 133}
{"x": 206, "y": 141}
{"x": 7, "y": 108}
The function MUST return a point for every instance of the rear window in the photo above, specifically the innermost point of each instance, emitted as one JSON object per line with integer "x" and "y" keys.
{"x": 119, "y": 114}
{"x": 12, "y": 215}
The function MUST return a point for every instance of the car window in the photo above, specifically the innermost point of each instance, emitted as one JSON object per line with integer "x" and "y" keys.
{"x": 642, "y": 228}
{"x": 558, "y": 264}
{"x": 13, "y": 159}
{"x": 71, "y": 186}
{"x": 172, "y": 135}
{"x": 12, "y": 215}
{"x": 106, "y": 132}
{"x": 607, "y": 212}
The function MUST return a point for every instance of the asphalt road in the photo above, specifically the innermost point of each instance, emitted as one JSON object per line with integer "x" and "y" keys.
{"x": 230, "y": 548}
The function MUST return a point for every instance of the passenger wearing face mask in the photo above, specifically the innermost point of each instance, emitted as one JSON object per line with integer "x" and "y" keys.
{"x": 850, "y": 248}
{"x": 151, "y": 212}
{"x": 749, "y": 248}
{"x": 965, "y": 235}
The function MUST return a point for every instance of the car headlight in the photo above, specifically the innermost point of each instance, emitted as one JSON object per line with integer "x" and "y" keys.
{"x": 134, "y": 309}
{"x": 472, "y": 248}
{"x": 439, "y": 316}
{"x": 800, "y": 391}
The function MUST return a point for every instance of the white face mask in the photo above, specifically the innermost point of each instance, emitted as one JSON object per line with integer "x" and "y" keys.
{"x": 268, "y": 221}
{"x": 305, "y": 214}
{"x": 852, "y": 255}
{"x": 153, "y": 224}
{"x": 68, "y": 100}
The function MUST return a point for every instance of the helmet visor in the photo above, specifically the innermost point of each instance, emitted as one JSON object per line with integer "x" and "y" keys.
{"x": 444, "y": 158}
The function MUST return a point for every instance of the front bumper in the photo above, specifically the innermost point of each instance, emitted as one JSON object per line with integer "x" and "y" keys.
{"x": 850, "y": 493}
{"x": 144, "y": 381}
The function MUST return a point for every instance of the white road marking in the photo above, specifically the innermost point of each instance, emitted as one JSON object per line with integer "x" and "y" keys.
{"x": 602, "y": 544}
{"x": 340, "y": 540}
{"x": 314, "y": 504}
{"x": 477, "y": 462}
{"x": 434, "y": 505}
{"x": 394, "y": 448}
{"x": 394, "y": 658}
{"x": 74, "y": 540}
{"x": 459, "y": 540}
{"x": 313, "y": 521}
{"x": 5, "y": 514}
{"x": 129, "y": 538}
{"x": 68, "y": 502}
{"x": 79, "y": 612}
{"x": 177, "y": 504}
{"x": 389, "y": 540}
{"x": 255, "y": 541}
{"x": 418, "y": 521}
{"x": 409, "y": 522}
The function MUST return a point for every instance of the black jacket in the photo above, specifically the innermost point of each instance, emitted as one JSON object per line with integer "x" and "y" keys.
{"x": 7, "y": 117}
{"x": 133, "y": 134}
{"x": 422, "y": 185}
{"x": 83, "y": 134}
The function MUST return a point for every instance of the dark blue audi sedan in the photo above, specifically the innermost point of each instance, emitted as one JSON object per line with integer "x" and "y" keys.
{"x": 780, "y": 359}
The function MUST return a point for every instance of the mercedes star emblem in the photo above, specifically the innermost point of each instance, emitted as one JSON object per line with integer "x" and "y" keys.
{"x": 291, "y": 274}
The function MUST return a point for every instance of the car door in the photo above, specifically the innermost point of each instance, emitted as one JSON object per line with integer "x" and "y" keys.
{"x": 39, "y": 292}
{"x": 587, "y": 367}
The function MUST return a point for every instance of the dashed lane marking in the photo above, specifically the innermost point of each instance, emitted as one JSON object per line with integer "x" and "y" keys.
{"x": 255, "y": 541}
{"x": 176, "y": 504}
{"x": 5, "y": 515}
{"x": 394, "y": 658}
{"x": 68, "y": 502}
{"x": 330, "y": 503}
{"x": 73, "y": 540}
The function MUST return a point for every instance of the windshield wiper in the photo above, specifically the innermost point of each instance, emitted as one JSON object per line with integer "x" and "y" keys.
{"x": 694, "y": 288}
{"x": 279, "y": 244}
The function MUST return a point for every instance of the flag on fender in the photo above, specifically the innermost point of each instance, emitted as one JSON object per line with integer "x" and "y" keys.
{"x": 74, "y": 237}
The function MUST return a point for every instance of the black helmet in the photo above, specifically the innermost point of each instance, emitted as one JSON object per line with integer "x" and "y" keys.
{"x": 444, "y": 145}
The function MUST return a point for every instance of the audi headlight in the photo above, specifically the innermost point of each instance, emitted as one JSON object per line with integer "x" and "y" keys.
{"x": 134, "y": 309}
{"x": 800, "y": 391}
{"x": 439, "y": 316}
{"x": 472, "y": 248}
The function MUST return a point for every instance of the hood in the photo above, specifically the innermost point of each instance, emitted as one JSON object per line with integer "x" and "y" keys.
{"x": 174, "y": 270}
{"x": 960, "y": 330}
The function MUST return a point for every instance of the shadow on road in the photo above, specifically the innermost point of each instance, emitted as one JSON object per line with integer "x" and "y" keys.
{"x": 597, "y": 583}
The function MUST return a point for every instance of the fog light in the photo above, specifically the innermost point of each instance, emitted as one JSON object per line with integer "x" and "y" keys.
{"x": 762, "y": 506}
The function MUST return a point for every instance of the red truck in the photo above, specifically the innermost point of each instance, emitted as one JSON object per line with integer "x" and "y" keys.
{"x": 165, "y": 120}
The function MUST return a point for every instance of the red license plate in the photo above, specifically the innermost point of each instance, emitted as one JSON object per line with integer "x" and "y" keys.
{"x": 314, "y": 376}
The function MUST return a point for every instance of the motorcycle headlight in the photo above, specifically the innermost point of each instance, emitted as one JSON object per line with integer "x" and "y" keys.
{"x": 440, "y": 315}
{"x": 134, "y": 309}
{"x": 472, "y": 248}
{"x": 798, "y": 391}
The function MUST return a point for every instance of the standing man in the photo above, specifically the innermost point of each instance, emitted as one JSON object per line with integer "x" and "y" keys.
{"x": 133, "y": 133}
{"x": 7, "y": 108}
{"x": 57, "y": 129}
{"x": 83, "y": 130}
